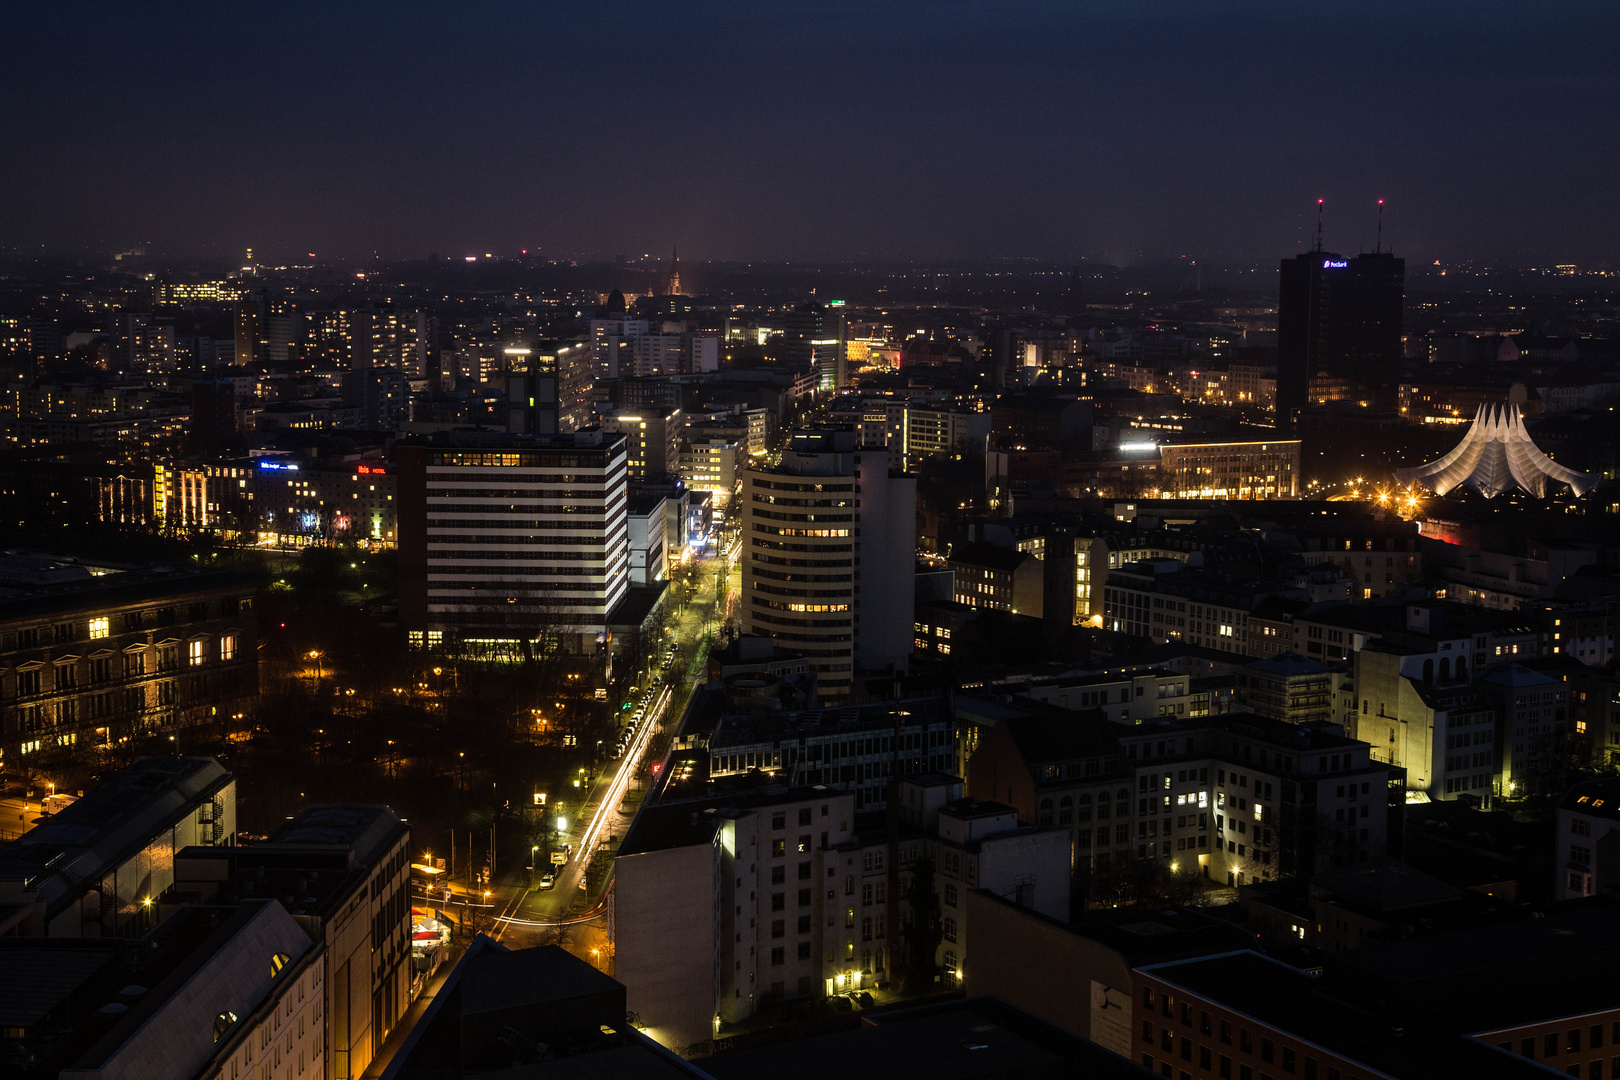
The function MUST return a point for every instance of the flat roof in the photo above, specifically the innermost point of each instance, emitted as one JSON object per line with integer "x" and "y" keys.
{"x": 747, "y": 729}
{"x": 35, "y": 980}
{"x": 1597, "y": 798}
{"x": 366, "y": 829}
{"x": 27, "y": 601}
{"x": 1306, "y": 1007}
{"x": 495, "y": 981}
{"x": 692, "y": 821}
{"x": 954, "y": 1045}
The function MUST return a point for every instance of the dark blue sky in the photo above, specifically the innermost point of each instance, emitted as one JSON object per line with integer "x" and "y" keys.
{"x": 1127, "y": 131}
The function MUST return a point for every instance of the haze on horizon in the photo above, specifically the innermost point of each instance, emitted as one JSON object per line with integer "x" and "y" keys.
{"x": 833, "y": 131}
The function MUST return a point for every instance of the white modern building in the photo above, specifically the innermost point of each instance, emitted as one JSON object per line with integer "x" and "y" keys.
{"x": 720, "y": 907}
{"x": 1497, "y": 455}
{"x": 507, "y": 538}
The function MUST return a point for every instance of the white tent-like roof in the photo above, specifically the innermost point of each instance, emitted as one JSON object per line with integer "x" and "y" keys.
{"x": 1496, "y": 455}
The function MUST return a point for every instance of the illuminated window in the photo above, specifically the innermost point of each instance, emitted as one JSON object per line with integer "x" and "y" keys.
{"x": 196, "y": 652}
{"x": 222, "y": 1024}
{"x": 100, "y": 627}
{"x": 227, "y": 647}
{"x": 277, "y": 962}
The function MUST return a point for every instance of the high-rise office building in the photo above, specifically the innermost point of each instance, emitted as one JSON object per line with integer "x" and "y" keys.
{"x": 548, "y": 386}
{"x": 1338, "y": 316}
{"x": 505, "y": 539}
{"x": 828, "y": 552}
{"x": 816, "y": 339}
{"x": 284, "y": 331}
{"x": 608, "y": 336}
{"x": 652, "y": 440}
{"x": 250, "y": 329}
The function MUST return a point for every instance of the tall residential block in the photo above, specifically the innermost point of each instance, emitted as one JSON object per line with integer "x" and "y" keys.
{"x": 828, "y": 552}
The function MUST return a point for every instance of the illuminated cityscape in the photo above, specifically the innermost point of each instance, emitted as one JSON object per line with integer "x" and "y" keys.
{"x": 1002, "y": 541}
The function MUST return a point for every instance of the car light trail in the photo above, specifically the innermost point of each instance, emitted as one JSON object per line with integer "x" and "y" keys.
{"x": 609, "y": 802}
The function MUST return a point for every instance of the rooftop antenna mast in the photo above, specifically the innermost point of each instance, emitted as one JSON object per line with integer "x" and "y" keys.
{"x": 1379, "y": 249}
{"x": 1318, "y": 224}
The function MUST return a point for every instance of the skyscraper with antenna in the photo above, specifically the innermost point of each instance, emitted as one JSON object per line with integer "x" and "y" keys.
{"x": 1339, "y": 319}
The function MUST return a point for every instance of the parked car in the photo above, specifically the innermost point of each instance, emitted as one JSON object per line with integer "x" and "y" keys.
{"x": 548, "y": 880}
{"x": 865, "y": 999}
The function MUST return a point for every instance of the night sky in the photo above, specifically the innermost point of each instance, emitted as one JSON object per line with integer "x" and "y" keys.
{"x": 1130, "y": 131}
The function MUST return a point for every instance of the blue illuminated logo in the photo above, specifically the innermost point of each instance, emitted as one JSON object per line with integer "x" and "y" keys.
{"x": 1329, "y": 264}
{"x": 278, "y": 465}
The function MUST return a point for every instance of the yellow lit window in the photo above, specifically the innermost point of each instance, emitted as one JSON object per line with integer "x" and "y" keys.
{"x": 100, "y": 627}
{"x": 197, "y": 652}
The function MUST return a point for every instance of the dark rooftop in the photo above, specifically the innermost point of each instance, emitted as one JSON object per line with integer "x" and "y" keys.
{"x": 39, "y": 587}
{"x": 989, "y": 556}
{"x": 955, "y": 1045}
{"x": 1310, "y": 1008}
{"x": 499, "y": 980}
{"x": 1597, "y": 798}
{"x": 365, "y": 829}
{"x": 683, "y": 824}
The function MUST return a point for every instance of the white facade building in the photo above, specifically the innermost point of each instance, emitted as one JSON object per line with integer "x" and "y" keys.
{"x": 506, "y": 538}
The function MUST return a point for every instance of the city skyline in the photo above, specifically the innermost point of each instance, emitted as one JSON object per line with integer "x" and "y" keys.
{"x": 819, "y": 133}
{"x": 1024, "y": 540}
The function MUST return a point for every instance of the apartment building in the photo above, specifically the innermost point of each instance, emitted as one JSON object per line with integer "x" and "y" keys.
{"x": 935, "y": 431}
{"x": 344, "y": 869}
{"x": 856, "y": 749}
{"x": 1282, "y": 799}
{"x": 827, "y": 556}
{"x": 652, "y": 439}
{"x": 721, "y": 907}
{"x": 549, "y": 386}
{"x": 1289, "y": 687}
{"x": 1380, "y": 556}
{"x": 966, "y": 845}
{"x": 1533, "y": 732}
{"x": 1156, "y": 599}
{"x": 710, "y": 465}
{"x": 1056, "y": 771}
{"x": 93, "y": 655}
{"x": 998, "y": 578}
{"x": 1129, "y": 697}
{"x": 1391, "y": 1010}
{"x": 1586, "y": 858}
{"x": 1239, "y": 798}
{"x": 212, "y": 992}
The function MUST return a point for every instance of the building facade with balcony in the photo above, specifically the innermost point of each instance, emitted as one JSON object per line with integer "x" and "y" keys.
{"x": 93, "y": 656}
